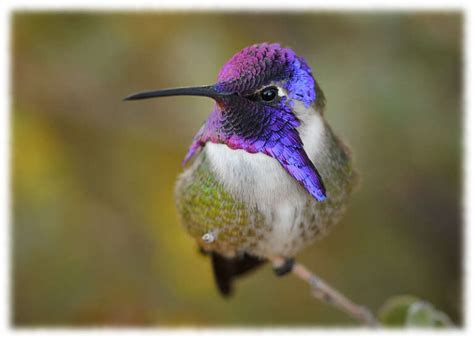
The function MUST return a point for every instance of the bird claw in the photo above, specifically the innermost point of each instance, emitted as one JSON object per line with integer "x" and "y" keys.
{"x": 285, "y": 268}
{"x": 209, "y": 237}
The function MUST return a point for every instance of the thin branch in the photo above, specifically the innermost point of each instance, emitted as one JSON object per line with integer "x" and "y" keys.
{"x": 327, "y": 294}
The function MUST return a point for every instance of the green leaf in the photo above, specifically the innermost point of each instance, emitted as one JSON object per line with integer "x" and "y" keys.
{"x": 420, "y": 314}
{"x": 410, "y": 311}
{"x": 394, "y": 310}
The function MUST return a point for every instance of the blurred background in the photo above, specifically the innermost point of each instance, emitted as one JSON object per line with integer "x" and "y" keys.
{"x": 96, "y": 236}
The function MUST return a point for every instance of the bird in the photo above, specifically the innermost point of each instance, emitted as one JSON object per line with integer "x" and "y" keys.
{"x": 269, "y": 176}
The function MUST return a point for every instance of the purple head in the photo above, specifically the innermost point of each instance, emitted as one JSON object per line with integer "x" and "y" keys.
{"x": 264, "y": 64}
{"x": 255, "y": 93}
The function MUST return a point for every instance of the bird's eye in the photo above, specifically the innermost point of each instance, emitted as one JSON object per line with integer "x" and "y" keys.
{"x": 268, "y": 94}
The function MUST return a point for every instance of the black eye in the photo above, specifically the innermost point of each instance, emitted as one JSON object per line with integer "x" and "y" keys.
{"x": 268, "y": 94}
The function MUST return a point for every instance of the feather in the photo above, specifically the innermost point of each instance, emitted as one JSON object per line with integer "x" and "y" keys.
{"x": 227, "y": 269}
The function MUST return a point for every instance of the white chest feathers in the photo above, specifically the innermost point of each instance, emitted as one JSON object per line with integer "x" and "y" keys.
{"x": 261, "y": 182}
{"x": 259, "y": 179}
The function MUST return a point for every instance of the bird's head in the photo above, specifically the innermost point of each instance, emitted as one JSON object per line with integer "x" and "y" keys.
{"x": 257, "y": 94}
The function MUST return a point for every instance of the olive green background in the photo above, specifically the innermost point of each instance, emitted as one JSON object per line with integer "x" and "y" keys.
{"x": 96, "y": 236}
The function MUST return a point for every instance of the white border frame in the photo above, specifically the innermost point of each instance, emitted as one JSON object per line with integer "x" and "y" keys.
{"x": 8, "y": 6}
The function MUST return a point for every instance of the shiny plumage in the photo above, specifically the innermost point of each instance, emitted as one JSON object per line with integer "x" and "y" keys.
{"x": 240, "y": 122}
{"x": 240, "y": 198}
{"x": 269, "y": 176}
{"x": 244, "y": 221}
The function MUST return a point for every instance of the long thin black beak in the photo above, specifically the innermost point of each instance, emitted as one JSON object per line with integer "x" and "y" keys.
{"x": 208, "y": 91}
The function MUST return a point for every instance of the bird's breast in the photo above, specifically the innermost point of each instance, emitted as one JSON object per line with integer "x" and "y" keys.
{"x": 250, "y": 203}
{"x": 265, "y": 188}
{"x": 256, "y": 179}
{"x": 262, "y": 184}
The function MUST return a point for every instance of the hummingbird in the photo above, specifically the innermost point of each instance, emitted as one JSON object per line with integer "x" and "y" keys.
{"x": 269, "y": 176}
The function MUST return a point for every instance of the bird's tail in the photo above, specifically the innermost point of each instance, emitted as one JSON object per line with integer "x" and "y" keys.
{"x": 227, "y": 269}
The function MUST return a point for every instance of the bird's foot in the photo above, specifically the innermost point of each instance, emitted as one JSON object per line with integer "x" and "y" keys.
{"x": 285, "y": 268}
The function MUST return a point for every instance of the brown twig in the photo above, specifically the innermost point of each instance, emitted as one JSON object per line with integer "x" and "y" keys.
{"x": 324, "y": 292}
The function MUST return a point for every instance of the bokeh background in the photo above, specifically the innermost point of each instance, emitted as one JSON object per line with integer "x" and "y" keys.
{"x": 96, "y": 237}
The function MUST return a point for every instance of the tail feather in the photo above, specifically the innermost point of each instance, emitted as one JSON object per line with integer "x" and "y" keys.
{"x": 227, "y": 269}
